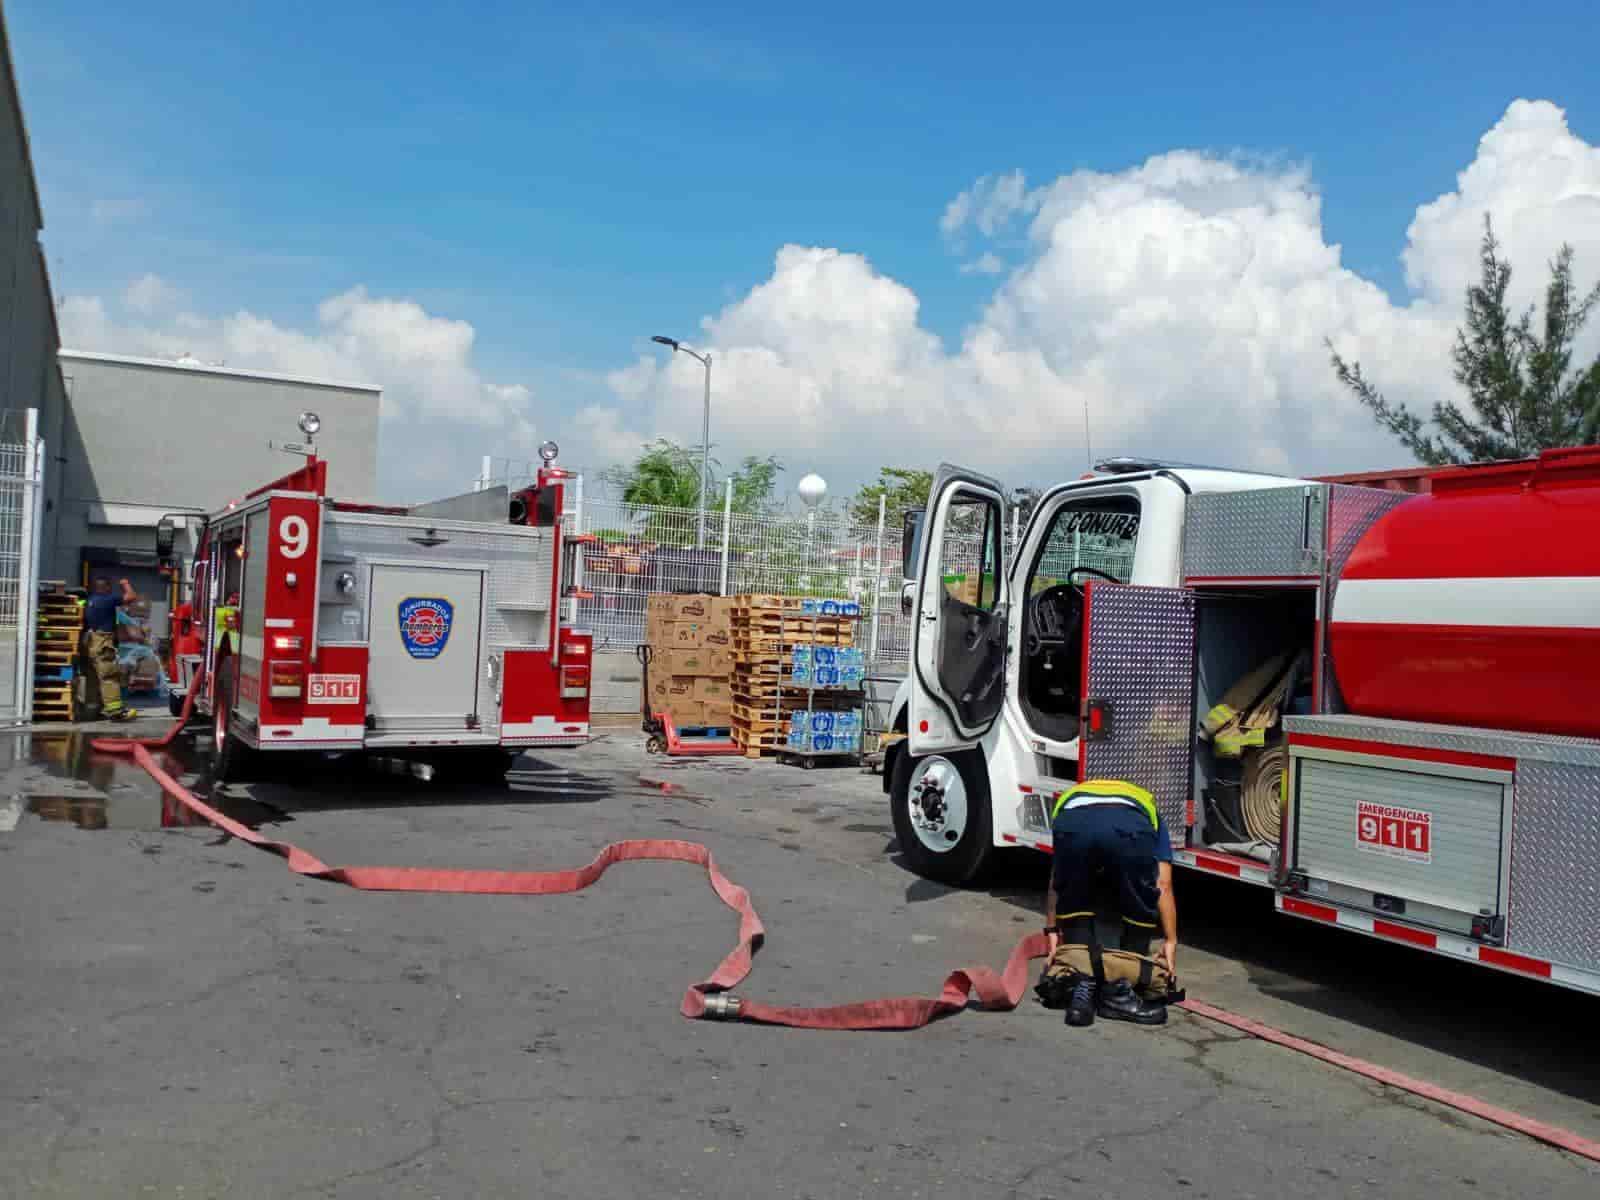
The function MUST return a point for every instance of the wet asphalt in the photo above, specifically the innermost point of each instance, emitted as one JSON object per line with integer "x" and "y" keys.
{"x": 180, "y": 1015}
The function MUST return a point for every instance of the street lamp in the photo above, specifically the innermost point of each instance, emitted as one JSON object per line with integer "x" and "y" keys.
{"x": 705, "y": 434}
{"x": 811, "y": 490}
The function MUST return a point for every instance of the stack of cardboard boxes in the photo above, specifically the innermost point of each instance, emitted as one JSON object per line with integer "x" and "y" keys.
{"x": 691, "y": 642}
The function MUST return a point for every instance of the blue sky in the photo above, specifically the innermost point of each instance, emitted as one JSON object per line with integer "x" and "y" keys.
{"x": 570, "y": 184}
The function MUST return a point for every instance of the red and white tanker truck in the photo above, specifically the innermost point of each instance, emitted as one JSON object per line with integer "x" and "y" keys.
{"x": 442, "y": 632}
{"x": 1427, "y": 768}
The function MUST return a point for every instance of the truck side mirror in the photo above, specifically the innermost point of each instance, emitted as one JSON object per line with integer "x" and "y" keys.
{"x": 166, "y": 536}
{"x": 910, "y": 537}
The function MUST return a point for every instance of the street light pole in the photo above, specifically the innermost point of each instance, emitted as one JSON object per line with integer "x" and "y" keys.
{"x": 705, "y": 435}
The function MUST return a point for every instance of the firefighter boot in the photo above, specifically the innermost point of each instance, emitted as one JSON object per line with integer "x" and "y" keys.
{"x": 1119, "y": 1002}
{"x": 1080, "y": 1008}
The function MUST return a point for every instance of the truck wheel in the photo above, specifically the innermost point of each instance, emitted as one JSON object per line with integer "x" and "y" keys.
{"x": 940, "y": 805}
{"x": 230, "y": 758}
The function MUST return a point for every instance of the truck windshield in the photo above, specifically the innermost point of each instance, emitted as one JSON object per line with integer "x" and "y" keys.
{"x": 1098, "y": 532}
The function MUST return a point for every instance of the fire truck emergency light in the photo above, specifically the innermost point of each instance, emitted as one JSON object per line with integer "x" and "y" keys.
{"x": 310, "y": 424}
{"x": 548, "y": 452}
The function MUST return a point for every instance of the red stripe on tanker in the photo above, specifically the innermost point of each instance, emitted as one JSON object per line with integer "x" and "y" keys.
{"x": 1479, "y": 603}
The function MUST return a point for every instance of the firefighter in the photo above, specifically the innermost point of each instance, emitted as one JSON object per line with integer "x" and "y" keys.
{"x": 227, "y": 621}
{"x": 1111, "y": 841}
{"x": 100, "y": 643}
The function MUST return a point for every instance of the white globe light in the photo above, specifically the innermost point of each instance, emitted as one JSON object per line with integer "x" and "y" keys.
{"x": 812, "y": 488}
{"x": 310, "y": 423}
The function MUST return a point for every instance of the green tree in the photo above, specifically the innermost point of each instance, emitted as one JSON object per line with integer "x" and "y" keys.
{"x": 1524, "y": 392}
{"x": 902, "y": 487}
{"x": 667, "y": 475}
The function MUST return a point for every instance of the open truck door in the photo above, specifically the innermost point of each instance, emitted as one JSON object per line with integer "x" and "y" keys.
{"x": 1137, "y": 719}
{"x": 959, "y": 631}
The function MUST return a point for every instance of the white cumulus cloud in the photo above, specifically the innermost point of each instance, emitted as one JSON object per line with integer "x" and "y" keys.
{"x": 1185, "y": 303}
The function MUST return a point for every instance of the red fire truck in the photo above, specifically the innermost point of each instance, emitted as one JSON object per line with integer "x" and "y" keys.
{"x": 435, "y": 632}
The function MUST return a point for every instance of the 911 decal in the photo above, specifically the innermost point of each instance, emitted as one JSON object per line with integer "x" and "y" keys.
{"x": 333, "y": 689}
{"x": 1396, "y": 832}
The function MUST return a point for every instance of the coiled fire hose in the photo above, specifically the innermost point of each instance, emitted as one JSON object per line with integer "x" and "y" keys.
{"x": 1261, "y": 793}
{"x": 709, "y": 998}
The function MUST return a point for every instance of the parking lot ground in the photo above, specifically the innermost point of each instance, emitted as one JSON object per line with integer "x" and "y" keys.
{"x": 181, "y": 1015}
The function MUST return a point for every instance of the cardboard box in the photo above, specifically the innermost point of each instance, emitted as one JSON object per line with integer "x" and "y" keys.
{"x": 685, "y": 713}
{"x": 718, "y": 714}
{"x": 659, "y": 604}
{"x": 690, "y": 608}
{"x": 719, "y": 662}
{"x": 720, "y": 614}
{"x": 713, "y": 691}
{"x": 681, "y": 663}
{"x": 716, "y": 637}
{"x": 686, "y": 635}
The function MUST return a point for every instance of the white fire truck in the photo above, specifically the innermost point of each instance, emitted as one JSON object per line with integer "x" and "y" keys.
{"x": 1434, "y": 775}
{"x": 432, "y": 632}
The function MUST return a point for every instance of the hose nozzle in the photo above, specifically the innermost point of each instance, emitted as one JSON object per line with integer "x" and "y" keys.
{"x": 722, "y": 1007}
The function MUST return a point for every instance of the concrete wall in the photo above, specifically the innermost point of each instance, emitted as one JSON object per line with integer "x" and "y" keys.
{"x": 29, "y": 377}
{"x": 143, "y": 438}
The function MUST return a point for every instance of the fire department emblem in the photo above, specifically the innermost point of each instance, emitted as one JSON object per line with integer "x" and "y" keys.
{"x": 425, "y": 625}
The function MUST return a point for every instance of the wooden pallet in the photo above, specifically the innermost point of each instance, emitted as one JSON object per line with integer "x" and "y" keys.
{"x": 758, "y": 744}
{"x": 55, "y": 652}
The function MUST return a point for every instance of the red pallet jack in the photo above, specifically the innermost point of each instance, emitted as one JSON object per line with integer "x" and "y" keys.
{"x": 663, "y": 737}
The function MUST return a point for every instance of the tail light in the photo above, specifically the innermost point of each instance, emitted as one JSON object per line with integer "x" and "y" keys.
{"x": 574, "y": 682}
{"x": 286, "y": 679}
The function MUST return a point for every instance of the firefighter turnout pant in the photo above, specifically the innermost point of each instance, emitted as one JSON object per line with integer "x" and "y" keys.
{"x": 1105, "y": 850}
{"x": 100, "y": 649}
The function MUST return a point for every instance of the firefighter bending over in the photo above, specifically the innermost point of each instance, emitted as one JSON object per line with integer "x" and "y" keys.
{"x": 100, "y": 643}
{"x": 1109, "y": 839}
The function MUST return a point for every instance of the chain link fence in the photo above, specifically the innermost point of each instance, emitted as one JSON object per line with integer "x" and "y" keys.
{"x": 21, "y": 466}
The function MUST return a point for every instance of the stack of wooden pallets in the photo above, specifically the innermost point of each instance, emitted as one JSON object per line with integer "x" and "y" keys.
{"x": 55, "y": 649}
{"x": 766, "y": 630}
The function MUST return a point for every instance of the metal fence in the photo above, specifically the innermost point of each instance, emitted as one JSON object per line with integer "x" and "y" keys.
{"x": 21, "y": 476}
{"x": 640, "y": 549}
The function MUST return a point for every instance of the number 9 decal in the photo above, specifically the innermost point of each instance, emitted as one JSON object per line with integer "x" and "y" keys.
{"x": 1369, "y": 829}
{"x": 295, "y": 536}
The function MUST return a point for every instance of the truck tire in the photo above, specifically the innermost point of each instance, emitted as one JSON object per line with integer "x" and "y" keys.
{"x": 940, "y": 806}
{"x": 230, "y": 758}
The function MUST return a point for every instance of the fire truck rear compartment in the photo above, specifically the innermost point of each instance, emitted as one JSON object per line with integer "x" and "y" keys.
{"x": 1236, "y": 631}
{"x": 424, "y": 680}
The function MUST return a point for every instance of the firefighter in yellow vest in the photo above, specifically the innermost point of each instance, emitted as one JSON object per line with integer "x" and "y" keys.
{"x": 1111, "y": 841}
{"x": 227, "y": 625}
{"x": 100, "y": 643}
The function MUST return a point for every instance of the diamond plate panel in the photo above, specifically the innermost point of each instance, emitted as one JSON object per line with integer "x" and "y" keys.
{"x": 1524, "y": 747}
{"x": 1141, "y": 663}
{"x": 1555, "y": 864}
{"x": 1351, "y": 512}
{"x": 1258, "y": 534}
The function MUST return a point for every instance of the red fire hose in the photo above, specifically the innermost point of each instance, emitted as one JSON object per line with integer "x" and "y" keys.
{"x": 995, "y": 991}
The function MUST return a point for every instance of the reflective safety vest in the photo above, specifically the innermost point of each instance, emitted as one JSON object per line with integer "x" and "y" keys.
{"x": 227, "y": 621}
{"x": 1108, "y": 791}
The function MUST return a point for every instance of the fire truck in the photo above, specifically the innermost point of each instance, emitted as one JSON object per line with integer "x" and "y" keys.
{"x": 442, "y": 632}
{"x": 1428, "y": 768}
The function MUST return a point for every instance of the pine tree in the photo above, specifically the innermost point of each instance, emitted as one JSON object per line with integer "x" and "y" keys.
{"x": 1525, "y": 396}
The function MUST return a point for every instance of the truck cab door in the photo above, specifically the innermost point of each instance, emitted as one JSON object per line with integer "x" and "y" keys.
{"x": 1137, "y": 722}
{"x": 959, "y": 630}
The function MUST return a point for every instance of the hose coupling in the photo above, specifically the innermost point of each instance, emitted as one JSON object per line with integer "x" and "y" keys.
{"x": 722, "y": 1007}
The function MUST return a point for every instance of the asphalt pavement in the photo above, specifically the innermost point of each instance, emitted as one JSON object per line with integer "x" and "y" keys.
{"x": 180, "y": 1015}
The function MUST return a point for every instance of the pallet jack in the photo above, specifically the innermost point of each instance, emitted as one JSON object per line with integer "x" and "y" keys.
{"x": 663, "y": 737}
